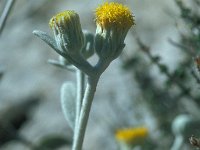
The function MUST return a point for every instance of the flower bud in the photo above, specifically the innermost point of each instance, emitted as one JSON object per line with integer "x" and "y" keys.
{"x": 67, "y": 31}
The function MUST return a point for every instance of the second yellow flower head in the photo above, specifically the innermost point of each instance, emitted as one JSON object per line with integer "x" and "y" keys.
{"x": 114, "y": 14}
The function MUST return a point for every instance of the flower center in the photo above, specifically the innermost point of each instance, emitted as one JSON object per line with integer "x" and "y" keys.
{"x": 110, "y": 14}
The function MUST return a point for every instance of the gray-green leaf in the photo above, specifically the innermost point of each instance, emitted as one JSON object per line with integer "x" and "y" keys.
{"x": 46, "y": 38}
{"x": 68, "y": 102}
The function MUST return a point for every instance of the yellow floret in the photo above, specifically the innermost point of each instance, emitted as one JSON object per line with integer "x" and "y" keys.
{"x": 110, "y": 14}
{"x": 62, "y": 17}
{"x": 131, "y": 135}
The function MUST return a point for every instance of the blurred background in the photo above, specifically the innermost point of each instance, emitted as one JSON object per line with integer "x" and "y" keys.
{"x": 154, "y": 84}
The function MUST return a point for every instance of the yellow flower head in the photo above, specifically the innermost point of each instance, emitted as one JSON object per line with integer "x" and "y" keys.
{"x": 114, "y": 14}
{"x": 131, "y": 135}
{"x": 113, "y": 22}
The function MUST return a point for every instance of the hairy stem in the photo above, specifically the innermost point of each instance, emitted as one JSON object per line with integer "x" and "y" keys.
{"x": 80, "y": 93}
{"x": 84, "y": 114}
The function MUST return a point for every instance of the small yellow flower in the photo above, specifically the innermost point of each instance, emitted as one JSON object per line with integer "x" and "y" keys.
{"x": 131, "y": 135}
{"x": 113, "y": 22}
{"x": 114, "y": 14}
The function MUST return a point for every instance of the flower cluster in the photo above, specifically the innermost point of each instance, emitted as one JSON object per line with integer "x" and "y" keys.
{"x": 113, "y": 22}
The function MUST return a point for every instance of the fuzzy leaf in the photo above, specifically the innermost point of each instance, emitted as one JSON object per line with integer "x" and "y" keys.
{"x": 68, "y": 102}
{"x": 50, "y": 41}
{"x": 46, "y": 38}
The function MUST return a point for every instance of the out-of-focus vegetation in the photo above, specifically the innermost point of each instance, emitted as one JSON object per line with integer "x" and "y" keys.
{"x": 178, "y": 93}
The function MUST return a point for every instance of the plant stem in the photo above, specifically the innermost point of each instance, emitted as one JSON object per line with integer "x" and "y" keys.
{"x": 5, "y": 13}
{"x": 80, "y": 93}
{"x": 84, "y": 114}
